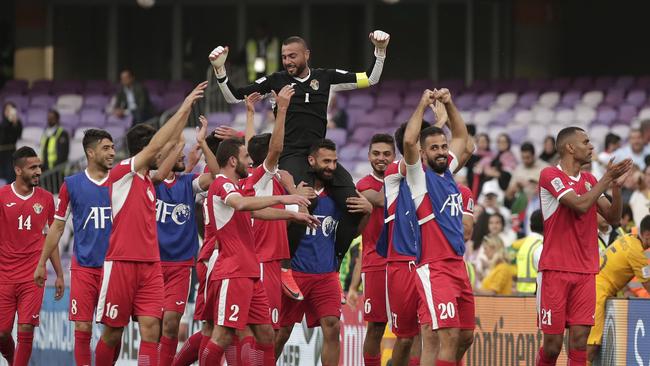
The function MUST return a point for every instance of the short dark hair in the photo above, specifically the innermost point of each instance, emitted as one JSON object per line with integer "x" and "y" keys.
{"x": 227, "y": 149}
{"x": 430, "y": 131}
{"x": 138, "y": 137}
{"x": 611, "y": 138}
{"x": 258, "y": 148}
{"x": 564, "y": 135}
{"x": 399, "y": 135}
{"x": 537, "y": 222}
{"x": 322, "y": 144}
{"x": 93, "y": 136}
{"x": 382, "y": 138}
{"x": 527, "y": 146}
{"x": 645, "y": 224}
{"x": 471, "y": 129}
{"x": 23, "y": 153}
{"x": 294, "y": 39}
{"x": 55, "y": 113}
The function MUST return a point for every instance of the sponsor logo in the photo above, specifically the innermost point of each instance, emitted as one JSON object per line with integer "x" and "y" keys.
{"x": 557, "y": 184}
{"x": 11, "y": 204}
{"x": 37, "y": 208}
{"x": 179, "y": 303}
{"x": 229, "y": 187}
{"x": 314, "y": 84}
{"x": 35, "y": 316}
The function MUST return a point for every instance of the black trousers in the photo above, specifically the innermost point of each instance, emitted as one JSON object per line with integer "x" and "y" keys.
{"x": 339, "y": 188}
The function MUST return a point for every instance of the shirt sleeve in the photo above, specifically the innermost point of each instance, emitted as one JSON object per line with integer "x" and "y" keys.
{"x": 453, "y": 162}
{"x": 123, "y": 168}
{"x": 62, "y": 207}
{"x": 468, "y": 201}
{"x": 347, "y": 80}
{"x": 234, "y": 94}
{"x": 640, "y": 265}
{"x": 556, "y": 184}
{"x": 416, "y": 179}
{"x": 260, "y": 182}
{"x": 225, "y": 189}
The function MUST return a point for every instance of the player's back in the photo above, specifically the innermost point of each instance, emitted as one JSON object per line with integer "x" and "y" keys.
{"x": 570, "y": 238}
{"x": 23, "y": 222}
{"x": 134, "y": 234}
{"x": 89, "y": 203}
{"x": 316, "y": 251}
{"x": 393, "y": 178}
{"x": 623, "y": 259}
{"x": 371, "y": 260}
{"x": 234, "y": 233}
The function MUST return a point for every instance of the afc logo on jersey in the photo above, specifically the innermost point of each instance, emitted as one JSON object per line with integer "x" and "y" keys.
{"x": 179, "y": 213}
{"x": 328, "y": 226}
{"x": 455, "y": 203}
{"x": 98, "y": 216}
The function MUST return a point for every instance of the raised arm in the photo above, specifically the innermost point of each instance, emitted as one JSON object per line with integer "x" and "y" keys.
{"x": 459, "y": 136}
{"x": 276, "y": 144}
{"x": 412, "y": 132}
{"x": 250, "y": 116}
{"x": 231, "y": 93}
{"x": 169, "y": 131}
{"x": 342, "y": 80}
{"x": 170, "y": 152}
{"x": 612, "y": 211}
{"x": 241, "y": 203}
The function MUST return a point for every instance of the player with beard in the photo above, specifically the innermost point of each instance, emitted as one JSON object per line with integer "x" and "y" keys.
{"x": 177, "y": 233}
{"x": 84, "y": 196}
{"x": 315, "y": 264}
{"x": 132, "y": 281}
{"x": 372, "y": 271}
{"x": 443, "y": 283}
{"x": 566, "y": 281}
{"x": 306, "y": 124}
{"x": 26, "y": 211}
{"x": 235, "y": 292}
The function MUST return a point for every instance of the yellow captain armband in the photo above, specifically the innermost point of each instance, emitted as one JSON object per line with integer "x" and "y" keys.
{"x": 362, "y": 80}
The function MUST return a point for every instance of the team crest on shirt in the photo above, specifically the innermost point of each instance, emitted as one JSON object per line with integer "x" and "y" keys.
{"x": 150, "y": 194}
{"x": 37, "y": 208}
{"x": 314, "y": 84}
{"x": 588, "y": 186}
{"x": 557, "y": 184}
{"x": 470, "y": 204}
{"x": 229, "y": 187}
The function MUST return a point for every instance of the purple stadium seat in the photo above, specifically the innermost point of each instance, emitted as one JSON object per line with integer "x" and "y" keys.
{"x": 466, "y": 101}
{"x": 96, "y": 87}
{"x": 155, "y": 86}
{"x": 455, "y": 86}
{"x": 156, "y": 102}
{"x": 614, "y": 97}
{"x": 16, "y": 86}
{"x": 61, "y": 87}
{"x": 642, "y": 82}
{"x": 338, "y": 135}
{"x": 349, "y": 152}
{"x": 502, "y": 119}
{"x": 117, "y": 132}
{"x": 624, "y": 82}
{"x": 606, "y": 116}
{"x": 95, "y": 101}
{"x": 398, "y": 84}
{"x": 93, "y": 117}
{"x": 42, "y": 101}
{"x": 421, "y": 84}
{"x": 604, "y": 82}
{"x": 183, "y": 86}
{"x": 70, "y": 121}
{"x": 20, "y": 101}
{"x": 220, "y": 118}
{"x": 582, "y": 83}
{"x": 636, "y": 97}
{"x": 361, "y": 100}
{"x": 113, "y": 120}
{"x": 172, "y": 99}
{"x": 570, "y": 98}
{"x": 560, "y": 84}
{"x": 479, "y": 86}
{"x": 341, "y": 100}
{"x": 540, "y": 85}
{"x": 412, "y": 99}
{"x": 362, "y": 134}
{"x": 528, "y": 99}
{"x": 390, "y": 100}
{"x": 402, "y": 116}
{"x": 626, "y": 113}
{"x": 36, "y": 117}
{"x": 354, "y": 114}
{"x": 518, "y": 135}
{"x": 379, "y": 117}
{"x": 485, "y": 100}
{"x": 42, "y": 85}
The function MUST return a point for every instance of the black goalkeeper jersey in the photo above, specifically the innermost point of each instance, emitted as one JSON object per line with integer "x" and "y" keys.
{"x": 306, "y": 120}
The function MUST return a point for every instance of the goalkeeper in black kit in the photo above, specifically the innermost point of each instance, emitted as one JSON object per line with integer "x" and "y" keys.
{"x": 306, "y": 123}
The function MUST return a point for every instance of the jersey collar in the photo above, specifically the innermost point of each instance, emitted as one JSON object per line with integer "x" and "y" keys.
{"x": 376, "y": 177}
{"x": 305, "y": 78}
{"x": 24, "y": 198}
{"x": 575, "y": 179}
{"x": 97, "y": 182}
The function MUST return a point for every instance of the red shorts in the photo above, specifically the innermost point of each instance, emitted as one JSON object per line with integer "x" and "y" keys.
{"x": 238, "y": 302}
{"x": 84, "y": 293}
{"x": 446, "y": 295}
{"x": 403, "y": 299}
{"x": 25, "y": 298}
{"x": 271, "y": 272}
{"x": 203, "y": 270}
{"x": 129, "y": 289}
{"x": 374, "y": 294}
{"x": 322, "y": 293}
{"x": 564, "y": 299}
{"x": 177, "y": 287}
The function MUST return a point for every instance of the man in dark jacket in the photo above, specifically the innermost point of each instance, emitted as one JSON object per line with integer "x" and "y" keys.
{"x": 132, "y": 98}
{"x": 55, "y": 142}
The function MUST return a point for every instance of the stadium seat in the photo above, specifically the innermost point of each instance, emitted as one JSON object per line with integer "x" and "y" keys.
{"x": 31, "y": 133}
{"x": 565, "y": 116}
{"x": 506, "y": 100}
{"x": 524, "y": 117}
{"x": 627, "y": 113}
{"x": 622, "y": 130}
{"x": 125, "y": 121}
{"x": 220, "y": 119}
{"x": 69, "y": 103}
{"x": 36, "y": 117}
{"x": 570, "y": 98}
{"x": 528, "y": 99}
{"x": 95, "y": 101}
{"x": 614, "y": 97}
{"x": 636, "y": 97}
{"x": 549, "y": 99}
{"x": 362, "y": 101}
{"x": 624, "y": 82}
{"x": 592, "y": 98}
{"x": 42, "y": 101}
{"x": 92, "y": 117}
{"x": 338, "y": 135}
{"x": 543, "y": 115}
{"x": 20, "y": 101}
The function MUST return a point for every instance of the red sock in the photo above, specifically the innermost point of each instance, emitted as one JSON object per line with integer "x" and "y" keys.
{"x": 232, "y": 352}
{"x": 189, "y": 353}
{"x": 167, "y": 351}
{"x": 204, "y": 342}
{"x": 148, "y": 354}
{"x": 103, "y": 354}
{"x": 542, "y": 360}
{"x": 268, "y": 358}
{"x": 7, "y": 349}
{"x": 211, "y": 355}
{"x": 116, "y": 352}
{"x": 414, "y": 361}
{"x": 24, "y": 348}
{"x": 440, "y": 362}
{"x": 371, "y": 360}
{"x": 249, "y": 354}
{"x": 82, "y": 348}
{"x": 577, "y": 358}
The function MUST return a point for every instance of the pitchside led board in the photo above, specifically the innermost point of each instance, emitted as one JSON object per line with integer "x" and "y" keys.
{"x": 506, "y": 334}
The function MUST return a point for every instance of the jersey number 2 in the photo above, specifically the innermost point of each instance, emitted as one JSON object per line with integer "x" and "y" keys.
{"x": 25, "y": 224}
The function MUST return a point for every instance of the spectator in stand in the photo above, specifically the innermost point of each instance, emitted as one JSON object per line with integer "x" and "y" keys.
{"x": 526, "y": 270}
{"x": 482, "y": 155}
{"x": 336, "y": 117}
{"x": 498, "y": 271}
{"x": 10, "y": 130}
{"x": 640, "y": 199}
{"x": 612, "y": 143}
{"x": 549, "y": 152}
{"x": 499, "y": 167}
{"x": 497, "y": 227}
{"x": 132, "y": 98}
{"x": 635, "y": 149}
{"x": 55, "y": 142}
{"x": 526, "y": 172}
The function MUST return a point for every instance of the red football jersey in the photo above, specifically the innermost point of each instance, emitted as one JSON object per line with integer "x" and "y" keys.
{"x": 271, "y": 241}
{"x": 208, "y": 229}
{"x": 468, "y": 200}
{"x": 134, "y": 235}
{"x": 370, "y": 260}
{"x": 570, "y": 238}
{"x": 392, "y": 179}
{"x": 234, "y": 233}
{"x": 435, "y": 246}
{"x": 24, "y": 221}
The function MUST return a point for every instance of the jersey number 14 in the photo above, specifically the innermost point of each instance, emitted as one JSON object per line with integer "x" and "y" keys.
{"x": 26, "y": 223}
